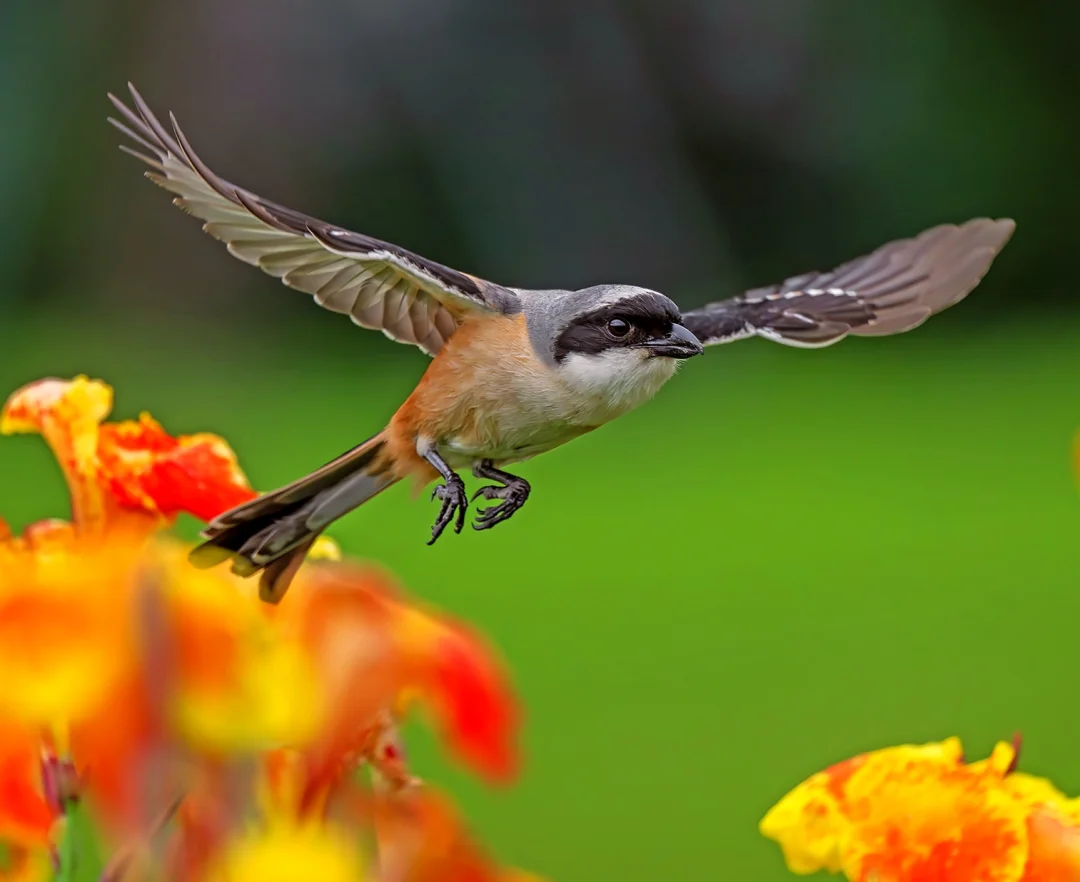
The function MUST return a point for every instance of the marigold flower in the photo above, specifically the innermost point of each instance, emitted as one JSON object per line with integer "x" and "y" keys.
{"x": 915, "y": 813}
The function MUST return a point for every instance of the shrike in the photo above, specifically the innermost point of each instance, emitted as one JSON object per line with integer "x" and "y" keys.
{"x": 515, "y": 372}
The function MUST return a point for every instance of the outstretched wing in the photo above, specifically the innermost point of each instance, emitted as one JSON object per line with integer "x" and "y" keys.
{"x": 409, "y": 298}
{"x": 892, "y": 290}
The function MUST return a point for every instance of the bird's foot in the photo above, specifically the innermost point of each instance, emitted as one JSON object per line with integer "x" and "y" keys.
{"x": 513, "y": 492}
{"x": 454, "y": 504}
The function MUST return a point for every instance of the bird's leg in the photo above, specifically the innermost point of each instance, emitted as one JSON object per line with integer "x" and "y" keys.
{"x": 452, "y": 494}
{"x": 512, "y": 490}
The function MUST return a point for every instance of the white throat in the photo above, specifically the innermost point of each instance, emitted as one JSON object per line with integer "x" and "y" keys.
{"x": 608, "y": 384}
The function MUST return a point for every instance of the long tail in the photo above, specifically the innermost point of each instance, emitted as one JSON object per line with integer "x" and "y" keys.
{"x": 273, "y": 532}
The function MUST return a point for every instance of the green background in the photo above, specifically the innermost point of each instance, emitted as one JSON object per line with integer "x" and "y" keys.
{"x": 787, "y": 558}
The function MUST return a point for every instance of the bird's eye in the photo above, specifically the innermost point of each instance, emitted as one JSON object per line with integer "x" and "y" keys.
{"x": 618, "y": 327}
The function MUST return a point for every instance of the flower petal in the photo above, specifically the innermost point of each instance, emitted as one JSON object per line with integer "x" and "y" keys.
{"x": 236, "y": 682}
{"x": 63, "y": 629}
{"x": 1055, "y": 847}
{"x": 67, "y": 414}
{"x": 147, "y": 469}
{"x": 422, "y": 838}
{"x": 478, "y": 712}
{"x": 116, "y": 470}
{"x": 27, "y": 865}
{"x": 26, "y": 818}
{"x": 283, "y": 853}
{"x": 913, "y": 813}
{"x": 372, "y": 646}
{"x": 811, "y": 823}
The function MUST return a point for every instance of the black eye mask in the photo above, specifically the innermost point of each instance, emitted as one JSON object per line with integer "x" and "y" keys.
{"x": 648, "y": 315}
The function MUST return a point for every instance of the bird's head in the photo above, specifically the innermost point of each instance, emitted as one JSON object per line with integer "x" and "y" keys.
{"x": 619, "y": 342}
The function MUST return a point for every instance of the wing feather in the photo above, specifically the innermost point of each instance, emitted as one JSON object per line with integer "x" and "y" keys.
{"x": 379, "y": 285}
{"x": 891, "y": 290}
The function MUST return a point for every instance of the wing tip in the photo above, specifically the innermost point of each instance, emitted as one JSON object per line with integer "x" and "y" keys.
{"x": 977, "y": 244}
{"x": 1000, "y": 228}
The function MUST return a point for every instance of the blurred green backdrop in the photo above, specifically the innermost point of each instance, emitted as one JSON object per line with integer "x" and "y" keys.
{"x": 790, "y": 556}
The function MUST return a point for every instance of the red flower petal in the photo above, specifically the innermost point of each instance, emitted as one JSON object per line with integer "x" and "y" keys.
{"x": 25, "y": 816}
{"x": 479, "y": 713}
{"x": 147, "y": 469}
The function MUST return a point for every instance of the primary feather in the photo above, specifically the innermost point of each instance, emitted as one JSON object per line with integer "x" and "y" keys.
{"x": 379, "y": 285}
{"x": 891, "y": 290}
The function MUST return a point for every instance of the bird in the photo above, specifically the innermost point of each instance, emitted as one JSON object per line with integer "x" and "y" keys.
{"x": 514, "y": 372}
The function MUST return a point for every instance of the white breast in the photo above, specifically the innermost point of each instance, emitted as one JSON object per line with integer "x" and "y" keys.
{"x": 606, "y": 385}
{"x": 537, "y": 407}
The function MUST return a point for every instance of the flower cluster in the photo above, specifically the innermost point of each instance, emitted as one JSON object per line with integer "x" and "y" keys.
{"x": 922, "y": 814}
{"x": 210, "y": 736}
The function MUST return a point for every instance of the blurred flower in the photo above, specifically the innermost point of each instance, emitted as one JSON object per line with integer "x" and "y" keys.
{"x": 27, "y": 820}
{"x": 288, "y": 852}
{"x": 62, "y": 628}
{"x": 422, "y": 838}
{"x": 212, "y": 736}
{"x": 238, "y": 683}
{"x": 26, "y": 865}
{"x": 374, "y": 649}
{"x": 915, "y": 813}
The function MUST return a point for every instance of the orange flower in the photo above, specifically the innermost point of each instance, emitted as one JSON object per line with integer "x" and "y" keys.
{"x": 129, "y": 472}
{"x": 27, "y": 865}
{"x": 26, "y": 817}
{"x": 63, "y": 626}
{"x": 372, "y": 648}
{"x": 185, "y": 703}
{"x": 235, "y": 682}
{"x": 209, "y": 678}
{"x": 290, "y": 851}
{"x": 422, "y": 838}
{"x": 921, "y": 814}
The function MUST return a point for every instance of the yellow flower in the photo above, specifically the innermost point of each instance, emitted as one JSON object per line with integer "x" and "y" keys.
{"x": 288, "y": 852}
{"x": 27, "y": 818}
{"x": 25, "y": 865}
{"x": 240, "y": 684}
{"x": 63, "y": 630}
{"x": 921, "y": 814}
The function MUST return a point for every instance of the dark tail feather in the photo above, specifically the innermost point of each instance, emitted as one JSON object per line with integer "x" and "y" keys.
{"x": 273, "y": 532}
{"x": 277, "y": 576}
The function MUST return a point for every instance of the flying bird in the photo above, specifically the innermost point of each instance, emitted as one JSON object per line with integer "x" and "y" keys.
{"x": 515, "y": 372}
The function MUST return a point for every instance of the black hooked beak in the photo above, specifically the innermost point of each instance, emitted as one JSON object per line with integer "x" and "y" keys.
{"x": 679, "y": 342}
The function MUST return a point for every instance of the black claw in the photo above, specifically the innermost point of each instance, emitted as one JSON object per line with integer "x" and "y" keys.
{"x": 489, "y": 517}
{"x": 488, "y": 491}
{"x": 454, "y": 504}
{"x": 461, "y": 514}
{"x": 512, "y": 495}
